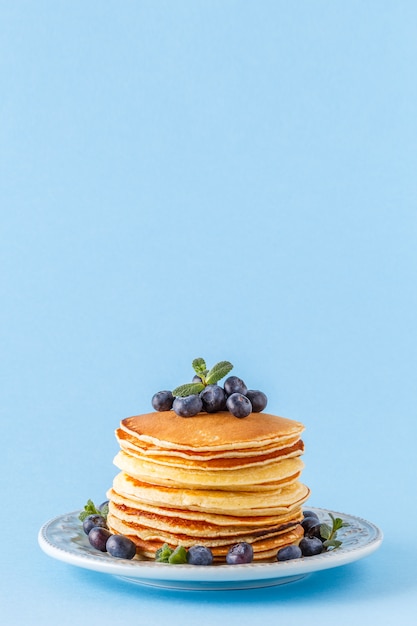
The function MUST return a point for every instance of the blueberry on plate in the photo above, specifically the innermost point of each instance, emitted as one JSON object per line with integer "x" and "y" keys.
{"x": 311, "y": 527}
{"x": 310, "y": 514}
{"x": 288, "y": 553}
{"x": 239, "y": 554}
{"x": 92, "y": 521}
{"x": 98, "y": 538}
{"x": 121, "y": 547}
{"x": 310, "y": 546}
{"x": 199, "y": 555}
{"x": 104, "y": 505}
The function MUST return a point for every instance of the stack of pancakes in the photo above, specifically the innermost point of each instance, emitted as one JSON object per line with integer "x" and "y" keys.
{"x": 211, "y": 480}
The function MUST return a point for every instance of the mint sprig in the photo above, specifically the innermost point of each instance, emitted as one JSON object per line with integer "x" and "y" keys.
{"x": 189, "y": 389}
{"x": 218, "y": 371}
{"x": 162, "y": 554}
{"x": 200, "y": 367}
{"x": 329, "y": 533}
{"x": 91, "y": 509}
{"x": 176, "y": 556}
{"x": 207, "y": 377}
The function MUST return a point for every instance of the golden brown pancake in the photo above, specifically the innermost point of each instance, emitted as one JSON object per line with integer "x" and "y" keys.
{"x": 208, "y": 480}
{"x": 128, "y": 441}
{"x": 194, "y": 475}
{"x": 210, "y": 431}
{"x": 175, "y": 525}
{"x": 213, "y": 460}
{"x": 263, "y": 547}
{"x": 131, "y": 507}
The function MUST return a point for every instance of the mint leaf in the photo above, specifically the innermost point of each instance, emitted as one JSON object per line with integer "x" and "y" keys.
{"x": 328, "y": 533}
{"x": 325, "y": 531}
{"x": 218, "y": 371}
{"x": 188, "y": 389}
{"x": 165, "y": 554}
{"x": 337, "y": 523}
{"x": 207, "y": 377}
{"x": 332, "y": 543}
{"x": 89, "y": 509}
{"x": 162, "y": 554}
{"x": 178, "y": 557}
{"x": 199, "y": 366}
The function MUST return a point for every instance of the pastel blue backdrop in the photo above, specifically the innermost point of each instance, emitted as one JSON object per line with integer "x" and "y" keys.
{"x": 226, "y": 179}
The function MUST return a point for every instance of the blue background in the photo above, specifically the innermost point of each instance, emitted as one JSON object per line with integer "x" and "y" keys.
{"x": 232, "y": 180}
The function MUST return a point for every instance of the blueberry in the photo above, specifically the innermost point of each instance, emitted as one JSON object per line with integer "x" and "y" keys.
{"x": 240, "y": 553}
{"x": 213, "y": 398}
{"x": 196, "y": 379}
{"x": 311, "y": 527}
{"x": 258, "y": 400}
{"x": 238, "y": 405}
{"x": 199, "y": 555}
{"x": 233, "y": 384}
{"x": 310, "y": 514}
{"x": 162, "y": 401}
{"x": 98, "y": 537}
{"x": 188, "y": 406}
{"x": 310, "y": 546}
{"x": 121, "y": 547}
{"x": 288, "y": 553}
{"x": 93, "y": 521}
{"x": 104, "y": 508}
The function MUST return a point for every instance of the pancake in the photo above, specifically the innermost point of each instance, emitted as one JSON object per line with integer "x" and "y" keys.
{"x": 154, "y": 513}
{"x": 208, "y": 480}
{"x": 248, "y": 503}
{"x": 148, "y": 541}
{"x": 214, "y": 431}
{"x": 193, "y": 529}
{"x": 193, "y": 475}
{"x": 211, "y": 460}
{"x": 128, "y": 441}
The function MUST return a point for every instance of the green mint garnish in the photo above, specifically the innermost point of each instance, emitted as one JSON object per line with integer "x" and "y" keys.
{"x": 189, "y": 389}
{"x": 91, "y": 509}
{"x": 162, "y": 554}
{"x": 208, "y": 377}
{"x": 179, "y": 556}
{"x": 200, "y": 367}
{"x": 218, "y": 371}
{"x": 168, "y": 555}
{"x": 329, "y": 533}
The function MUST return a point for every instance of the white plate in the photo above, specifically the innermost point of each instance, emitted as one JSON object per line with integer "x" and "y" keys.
{"x": 63, "y": 538}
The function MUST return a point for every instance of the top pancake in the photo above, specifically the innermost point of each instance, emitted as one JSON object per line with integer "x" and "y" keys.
{"x": 210, "y": 431}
